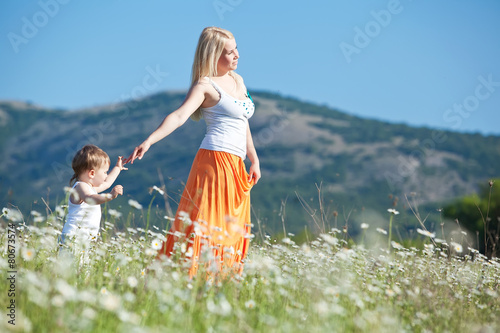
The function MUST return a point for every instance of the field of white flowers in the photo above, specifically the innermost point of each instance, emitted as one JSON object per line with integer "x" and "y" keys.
{"x": 324, "y": 285}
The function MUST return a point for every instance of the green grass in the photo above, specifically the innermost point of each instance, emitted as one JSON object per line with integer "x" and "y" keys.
{"x": 325, "y": 285}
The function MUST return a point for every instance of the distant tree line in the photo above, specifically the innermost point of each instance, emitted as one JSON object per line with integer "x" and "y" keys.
{"x": 481, "y": 213}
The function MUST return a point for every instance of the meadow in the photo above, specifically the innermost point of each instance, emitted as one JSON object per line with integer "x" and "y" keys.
{"x": 327, "y": 284}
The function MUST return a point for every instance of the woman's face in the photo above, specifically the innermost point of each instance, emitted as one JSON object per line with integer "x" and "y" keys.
{"x": 228, "y": 60}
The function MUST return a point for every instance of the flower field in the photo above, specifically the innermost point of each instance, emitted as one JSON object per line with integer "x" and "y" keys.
{"x": 324, "y": 285}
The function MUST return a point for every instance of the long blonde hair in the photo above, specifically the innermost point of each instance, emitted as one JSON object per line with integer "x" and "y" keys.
{"x": 208, "y": 51}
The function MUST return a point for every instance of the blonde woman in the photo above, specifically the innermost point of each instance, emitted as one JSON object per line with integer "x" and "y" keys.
{"x": 213, "y": 217}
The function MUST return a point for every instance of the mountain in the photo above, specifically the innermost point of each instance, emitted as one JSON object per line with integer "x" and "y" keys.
{"x": 361, "y": 166}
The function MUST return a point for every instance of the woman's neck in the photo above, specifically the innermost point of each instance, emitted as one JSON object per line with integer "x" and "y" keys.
{"x": 223, "y": 74}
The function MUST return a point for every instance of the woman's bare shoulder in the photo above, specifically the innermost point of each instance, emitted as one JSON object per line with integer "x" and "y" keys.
{"x": 204, "y": 82}
{"x": 201, "y": 86}
{"x": 204, "y": 88}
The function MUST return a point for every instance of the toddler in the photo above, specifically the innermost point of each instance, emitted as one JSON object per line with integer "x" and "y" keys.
{"x": 90, "y": 166}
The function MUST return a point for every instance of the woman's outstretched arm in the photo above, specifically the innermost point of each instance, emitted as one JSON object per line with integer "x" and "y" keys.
{"x": 193, "y": 101}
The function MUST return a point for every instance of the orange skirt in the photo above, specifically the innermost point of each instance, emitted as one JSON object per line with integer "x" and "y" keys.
{"x": 212, "y": 223}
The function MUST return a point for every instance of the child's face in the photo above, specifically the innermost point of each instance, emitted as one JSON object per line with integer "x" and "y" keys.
{"x": 100, "y": 174}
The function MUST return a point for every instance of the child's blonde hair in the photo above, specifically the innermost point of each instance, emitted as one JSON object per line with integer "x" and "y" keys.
{"x": 208, "y": 51}
{"x": 88, "y": 158}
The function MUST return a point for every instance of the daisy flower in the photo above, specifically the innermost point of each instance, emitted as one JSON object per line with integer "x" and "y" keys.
{"x": 114, "y": 213}
{"x": 382, "y": 231}
{"x": 134, "y": 204}
{"x": 250, "y": 304}
{"x": 426, "y": 233}
{"x": 27, "y": 254}
{"x": 456, "y": 247}
{"x": 156, "y": 244}
{"x": 159, "y": 190}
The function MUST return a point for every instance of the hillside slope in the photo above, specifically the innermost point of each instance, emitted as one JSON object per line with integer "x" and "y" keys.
{"x": 358, "y": 163}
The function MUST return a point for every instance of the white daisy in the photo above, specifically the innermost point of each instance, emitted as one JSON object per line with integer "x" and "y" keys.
{"x": 159, "y": 190}
{"x": 382, "y": 231}
{"x": 12, "y": 215}
{"x": 27, "y": 254}
{"x": 426, "y": 233}
{"x": 134, "y": 204}
{"x": 396, "y": 245}
{"x": 156, "y": 244}
{"x": 329, "y": 239}
{"x": 132, "y": 281}
{"x": 250, "y": 304}
{"x": 456, "y": 247}
{"x": 114, "y": 213}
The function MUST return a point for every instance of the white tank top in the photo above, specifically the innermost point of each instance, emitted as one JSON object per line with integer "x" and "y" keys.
{"x": 227, "y": 123}
{"x": 82, "y": 219}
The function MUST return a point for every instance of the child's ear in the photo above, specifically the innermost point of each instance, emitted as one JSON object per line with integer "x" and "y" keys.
{"x": 91, "y": 173}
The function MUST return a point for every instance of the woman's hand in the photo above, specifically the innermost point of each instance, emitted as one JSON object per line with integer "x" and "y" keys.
{"x": 254, "y": 173}
{"x": 138, "y": 152}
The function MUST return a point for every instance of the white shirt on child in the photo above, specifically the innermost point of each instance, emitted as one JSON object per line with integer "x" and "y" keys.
{"x": 83, "y": 220}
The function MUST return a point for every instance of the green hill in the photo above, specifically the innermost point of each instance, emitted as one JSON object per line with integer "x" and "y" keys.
{"x": 359, "y": 164}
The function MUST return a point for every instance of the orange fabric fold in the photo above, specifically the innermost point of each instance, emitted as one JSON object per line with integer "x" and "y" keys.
{"x": 213, "y": 217}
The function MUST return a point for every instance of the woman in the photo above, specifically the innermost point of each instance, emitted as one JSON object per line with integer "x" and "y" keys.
{"x": 213, "y": 217}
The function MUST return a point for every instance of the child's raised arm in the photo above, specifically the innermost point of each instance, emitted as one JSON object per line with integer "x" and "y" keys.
{"x": 112, "y": 175}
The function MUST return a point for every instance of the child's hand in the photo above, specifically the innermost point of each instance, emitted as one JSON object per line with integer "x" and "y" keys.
{"x": 119, "y": 164}
{"x": 117, "y": 190}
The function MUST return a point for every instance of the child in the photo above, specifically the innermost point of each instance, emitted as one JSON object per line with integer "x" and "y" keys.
{"x": 91, "y": 177}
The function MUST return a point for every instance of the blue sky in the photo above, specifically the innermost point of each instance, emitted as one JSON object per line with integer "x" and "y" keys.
{"x": 424, "y": 63}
